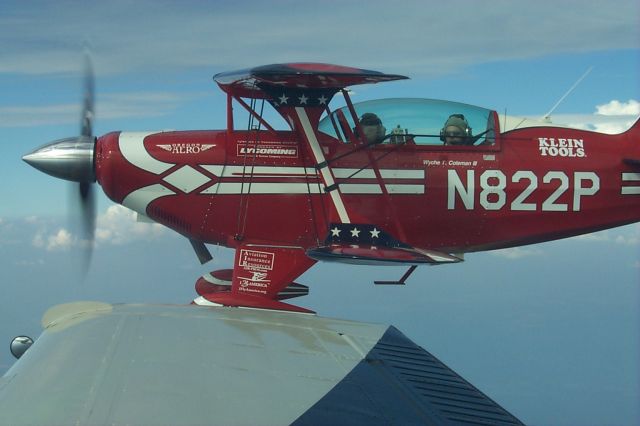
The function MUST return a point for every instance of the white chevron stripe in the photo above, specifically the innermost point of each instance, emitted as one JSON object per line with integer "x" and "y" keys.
{"x": 131, "y": 145}
{"x": 140, "y": 199}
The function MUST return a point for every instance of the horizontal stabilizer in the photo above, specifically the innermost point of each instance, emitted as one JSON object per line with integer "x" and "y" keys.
{"x": 214, "y": 282}
{"x": 293, "y": 290}
{"x": 248, "y": 301}
{"x": 220, "y": 280}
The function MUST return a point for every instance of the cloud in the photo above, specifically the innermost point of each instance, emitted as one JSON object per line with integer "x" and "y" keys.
{"x": 118, "y": 225}
{"x": 31, "y": 219}
{"x": 618, "y": 116}
{"x": 29, "y": 263}
{"x": 142, "y": 104}
{"x": 612, "y": 117}
{"x": 61, "y": 239}
{"x": 628, "y": 240}
{"x": 517, "y": 252}
{"x": 414, "y": 37}
{"x": 615, "y": 107}
{"x": 109, "y": 106}
{"x": 627, "y": 235}
{"x": 24, "y": 116}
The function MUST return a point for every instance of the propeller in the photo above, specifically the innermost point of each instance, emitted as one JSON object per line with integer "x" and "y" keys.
{"x": 73, "y": 159}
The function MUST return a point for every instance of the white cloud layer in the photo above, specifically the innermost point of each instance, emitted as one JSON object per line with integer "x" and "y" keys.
{"x": 109, "y": 106}
{"x": 615, "y": 107}
{"x": 116, "y": 226}
{"x": 611, "y": 118}
{"x": 514, "y": 253}
{"x": 61, "y": 239}
{"x": 626, "y": 235}
{"x": 428, "y": 38}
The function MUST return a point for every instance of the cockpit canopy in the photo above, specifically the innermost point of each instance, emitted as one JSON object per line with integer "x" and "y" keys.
{"x": 421, "y": 120}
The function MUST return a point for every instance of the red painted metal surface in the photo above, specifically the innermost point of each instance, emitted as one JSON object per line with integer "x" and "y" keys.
{"x": 241, "y": 189}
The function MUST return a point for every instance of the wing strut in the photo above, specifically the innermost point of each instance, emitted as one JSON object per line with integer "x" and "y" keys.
{"x": 201, "y": 251}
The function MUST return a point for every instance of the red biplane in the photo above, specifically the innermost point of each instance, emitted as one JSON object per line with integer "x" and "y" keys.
{"x": 397, "y": 181}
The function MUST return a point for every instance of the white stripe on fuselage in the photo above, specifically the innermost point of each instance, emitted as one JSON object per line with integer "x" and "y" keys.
{"x": 229, "y": 188}
{"x": 140, "y": 199}
{"x": 259, "y": 171}
{"x": 131, "y": 145}
{"x": 630, "y": 178}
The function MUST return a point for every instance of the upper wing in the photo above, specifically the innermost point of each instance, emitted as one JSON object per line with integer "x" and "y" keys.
{"x": 249, "y": 83}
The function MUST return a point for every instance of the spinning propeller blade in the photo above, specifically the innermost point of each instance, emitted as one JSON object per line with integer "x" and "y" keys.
{"x": 72, "y": 159}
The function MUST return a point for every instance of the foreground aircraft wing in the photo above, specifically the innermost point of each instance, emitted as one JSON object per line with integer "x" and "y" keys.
{"x": 97, "y": 363}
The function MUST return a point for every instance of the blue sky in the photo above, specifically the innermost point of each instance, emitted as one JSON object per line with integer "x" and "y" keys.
{"x": 549, "y": 331}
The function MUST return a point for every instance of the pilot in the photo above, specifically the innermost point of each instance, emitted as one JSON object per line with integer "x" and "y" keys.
{"x": 456, "y": 131}
{"x": 372, "y": 128}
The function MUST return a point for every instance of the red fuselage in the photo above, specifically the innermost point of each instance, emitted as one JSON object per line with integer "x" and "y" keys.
{"x": 532, "y": 185}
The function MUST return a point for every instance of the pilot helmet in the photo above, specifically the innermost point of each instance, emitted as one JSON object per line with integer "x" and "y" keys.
{"x": 370, "y": 119}
{"x": 372, "y": 127}
{"x": 456, "y": 120}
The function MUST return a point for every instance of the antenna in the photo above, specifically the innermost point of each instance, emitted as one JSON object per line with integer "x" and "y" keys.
{"x": 547, "y": 116}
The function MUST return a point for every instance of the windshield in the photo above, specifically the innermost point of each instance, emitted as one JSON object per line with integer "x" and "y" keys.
{"x": 423, "y": 121}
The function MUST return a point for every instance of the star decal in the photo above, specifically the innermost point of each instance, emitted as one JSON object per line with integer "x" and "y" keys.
{"x": 374, "y": 233}
{"x": 283, "y": 99}
{"x": 303, "y": 99}
{"x": 335, "y": 232}
{"x": 322, "y": 100}
{"x": 355, "y": 232}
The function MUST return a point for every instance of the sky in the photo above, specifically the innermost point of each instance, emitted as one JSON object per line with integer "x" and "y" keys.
{"x": 549, "y": 331}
